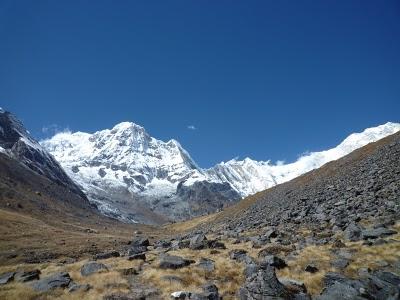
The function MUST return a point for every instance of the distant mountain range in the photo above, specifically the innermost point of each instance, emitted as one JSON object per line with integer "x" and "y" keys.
{"x": 134, "y": 177}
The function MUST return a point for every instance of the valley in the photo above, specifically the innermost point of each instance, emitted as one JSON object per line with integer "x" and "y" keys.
{"x": 330, "y": 233}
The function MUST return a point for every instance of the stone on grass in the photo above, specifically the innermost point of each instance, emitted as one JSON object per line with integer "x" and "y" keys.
{"x": 93, "y": 267}
{"x": 58, "y": 280}
{"x": 173, "y": 262}
{"x": 6, "y": 277}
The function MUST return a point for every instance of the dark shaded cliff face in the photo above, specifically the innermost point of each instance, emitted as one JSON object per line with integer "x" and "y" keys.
{"x": 206, "y": 197}
{"x": 20, "y": 146}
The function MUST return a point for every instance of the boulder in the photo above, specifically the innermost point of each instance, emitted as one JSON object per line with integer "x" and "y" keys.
{"x": 199, "y": 241}
{"x": 275, "y": 261}
{"x": 180, "y": 244}
{"x": 58, "y": 280}
{"x": 6, "y": 277}
{"x": 353, "y": 233}
{"x": 311, "y": 268}
{"x": 25, "y": 276}
{"x": 340, "y": 291}
{"x": 237, "y": 254}
{"x": 377, "y": 233}
{"x": 294, "y": 285}
{"x": 136, "y": 250}
{"x": 214, "y": 244}
{"x": 93, "y": 267}
{"x": 271, "y": 233}
{"x": 141, "y": 256}
{"x": 73, "y": 287}
{"x": 262, "y": 284}
{"x": 140, "y": 242}
{"x": 340, "y": 263}
{"x": 181, "y": 295}
{"x": 173, "y": 262}
{"x": 206, "y": 264}
{"x": 210, "y": 292}
{"x": 162, "y": 244}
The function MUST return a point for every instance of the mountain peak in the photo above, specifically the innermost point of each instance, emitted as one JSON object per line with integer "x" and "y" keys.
{"x": 127, "y": 126}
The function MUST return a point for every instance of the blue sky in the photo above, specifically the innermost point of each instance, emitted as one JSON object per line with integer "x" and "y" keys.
{"x": 264, "y": 79}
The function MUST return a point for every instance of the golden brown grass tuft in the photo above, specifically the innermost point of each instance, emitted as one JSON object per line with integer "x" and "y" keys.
{"x": 318, "y": 255}
{"x": 369, "y": 256}
{"x": 228, "y": 274}
{"x": 102, "y": 283}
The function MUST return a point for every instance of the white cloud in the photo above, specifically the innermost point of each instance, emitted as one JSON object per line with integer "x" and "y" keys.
{"x": 191, "y": 127}
{"x": 53, "y": 129}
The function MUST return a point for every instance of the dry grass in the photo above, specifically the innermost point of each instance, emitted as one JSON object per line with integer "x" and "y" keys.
{"x": 321, "y": 256}
{"x": 368, "y": 256}
{"x": 228, "y": 274}
{"x": 318, "y": 255}
{"x": 190, "y": 224}
{"x": 102, "y": 283}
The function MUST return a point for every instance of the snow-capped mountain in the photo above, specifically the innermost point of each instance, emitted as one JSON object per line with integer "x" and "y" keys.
{"x": 249, "y": 176}
{"x": 135, "y": 177}
{"x": 17, "y": 144}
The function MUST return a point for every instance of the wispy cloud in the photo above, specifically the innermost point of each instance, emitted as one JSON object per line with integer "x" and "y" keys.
{"x": 191, "y": 127}
{"x": 53, "y": 129}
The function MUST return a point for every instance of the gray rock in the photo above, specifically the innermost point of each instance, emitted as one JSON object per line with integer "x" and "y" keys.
{"x": 340, "y": 263}
{"x": 199, "y": 241}
{"x": 93, "y": 267}
{"x": 275, "y": 261}
{"x": 181, "y": 295}
{"x": 73, "y": 287}
{"x": 141, "y": 241}
{"x": 206, "y": 264}
{"x": 311, "y": 268}
{"x": 340, "y": 291}
{"x": 58, "y": 280}
{"x": 138, "y": 256}
{"x": 174, "y": 262}
{"x": 293, "y": 285}
{"x": 214, "y": 244}
{"x": 162, "y": 244}
{"x": 237, "y": 254}
{"x": 137, "y": 250}
{"x": 210, "y": 292}
{"x": 263, "y": 285}
{"x": 25, "y": 276}
{"x": 250, "y": 269}
{"x": 106, "y": 255}
{"x": 271, "y": 233}
{"x": 377, "y": 233}
{"x": 6, "y": 277}
{"x": 353, "y": 233}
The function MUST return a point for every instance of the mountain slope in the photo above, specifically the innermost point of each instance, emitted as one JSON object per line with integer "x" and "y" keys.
{"x": 364, "y": 184}
{"x": 137, "y": 178}
{"x": 17, "y": 143}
